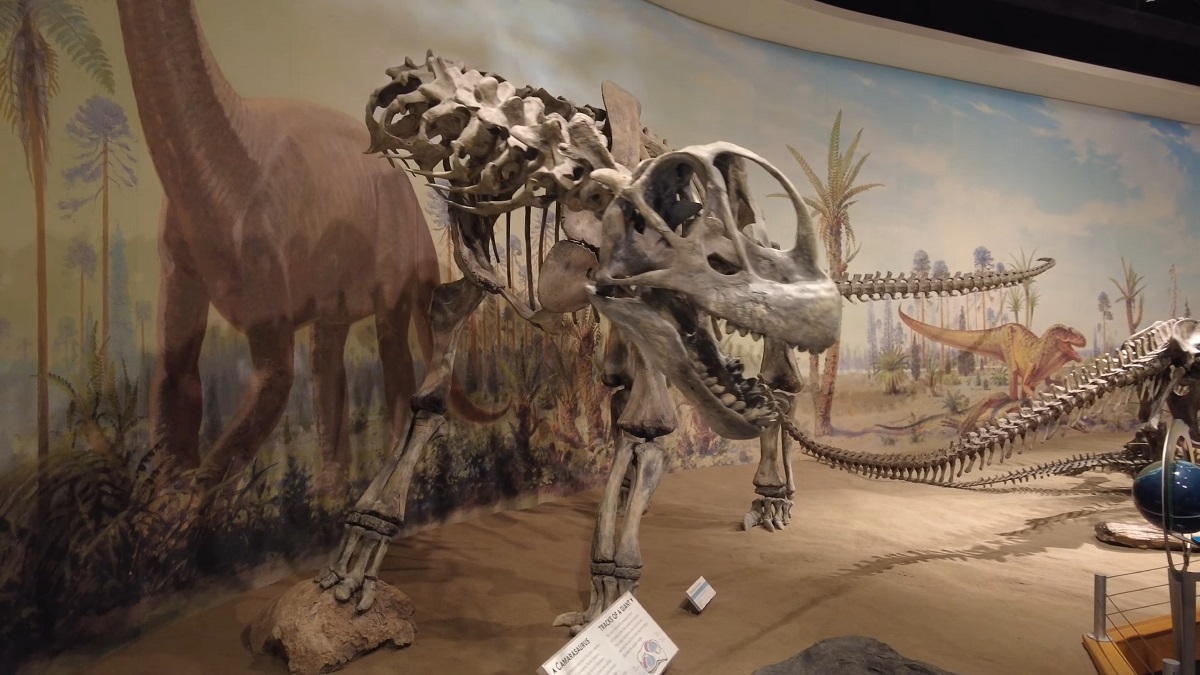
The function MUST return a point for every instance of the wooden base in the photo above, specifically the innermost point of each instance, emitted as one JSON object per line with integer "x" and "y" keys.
{"x": 1131, "y": 648}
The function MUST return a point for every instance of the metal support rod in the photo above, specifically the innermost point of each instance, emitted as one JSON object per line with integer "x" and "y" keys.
{"x": 1099, "y": 605}
{"x": 1183, "y": 618}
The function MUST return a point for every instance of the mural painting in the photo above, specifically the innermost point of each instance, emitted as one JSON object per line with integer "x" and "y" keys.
{"x": 214, "y": 305}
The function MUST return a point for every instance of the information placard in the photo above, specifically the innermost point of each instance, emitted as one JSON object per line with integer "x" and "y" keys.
{"x": 700, "y": 594}
{"x": 622, "y": 641}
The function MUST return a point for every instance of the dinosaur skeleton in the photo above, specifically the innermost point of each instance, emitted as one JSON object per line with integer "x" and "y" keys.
{"x": 667, "y": 245}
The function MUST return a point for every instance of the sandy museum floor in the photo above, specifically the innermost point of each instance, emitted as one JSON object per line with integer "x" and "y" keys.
{"x": 975, "y": 583}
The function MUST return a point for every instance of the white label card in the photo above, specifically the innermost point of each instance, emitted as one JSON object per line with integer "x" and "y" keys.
{"x": 622, "y": 641}
{"x": 700, "y": 594}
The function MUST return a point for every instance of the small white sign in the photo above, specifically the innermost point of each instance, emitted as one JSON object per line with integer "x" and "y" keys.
{"x": 700, "y": 594}
{"x": 622, "y": 641}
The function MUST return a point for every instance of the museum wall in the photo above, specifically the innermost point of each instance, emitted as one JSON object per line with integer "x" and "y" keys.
{"x": 200, "y": 340}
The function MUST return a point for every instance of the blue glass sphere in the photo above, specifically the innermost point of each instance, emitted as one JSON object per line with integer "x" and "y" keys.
{"x": 1184, "y": 497}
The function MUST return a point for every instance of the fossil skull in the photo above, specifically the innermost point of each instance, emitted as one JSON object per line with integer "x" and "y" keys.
{"x": 682, "y": 251}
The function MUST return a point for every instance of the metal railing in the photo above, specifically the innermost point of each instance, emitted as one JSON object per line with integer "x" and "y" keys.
{"x": 1138, "y": 599}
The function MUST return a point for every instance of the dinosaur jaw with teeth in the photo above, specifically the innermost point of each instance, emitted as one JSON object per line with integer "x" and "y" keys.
{"x": 674, "y": 336}
{"x": 1068, "y": 350}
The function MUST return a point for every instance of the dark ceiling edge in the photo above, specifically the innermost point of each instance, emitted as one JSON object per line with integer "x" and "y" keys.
{"x": 812, "y": 26}
{"x": 1087, "y": 31}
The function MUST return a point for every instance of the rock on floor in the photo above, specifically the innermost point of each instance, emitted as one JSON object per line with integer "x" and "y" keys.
{"x": 1135, "y": 535}
{"x": 853, "y": 655}
{"x": 317, "y": 634}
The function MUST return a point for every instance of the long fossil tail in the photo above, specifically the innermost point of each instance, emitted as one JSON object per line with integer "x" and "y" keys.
{"x": 1136, "y": 364}
{"x": 879, "y": 285}
{"x": 1121, "y": 460}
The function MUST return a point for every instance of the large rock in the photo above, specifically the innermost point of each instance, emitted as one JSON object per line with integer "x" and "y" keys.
{"x": 1135, "y": 535}
{"x": 853, "y": 655}
{"x": 317, "y": 634}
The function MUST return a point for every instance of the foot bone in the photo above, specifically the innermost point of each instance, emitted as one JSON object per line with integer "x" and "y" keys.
{"x": 609, "y": 582}
{"x": 773, "y": 513}
{"x": 364, "y": 545}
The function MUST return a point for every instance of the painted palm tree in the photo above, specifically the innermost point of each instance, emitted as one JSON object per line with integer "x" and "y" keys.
{"x": 921, "y": 267}
{"x": 101, "y": 131}
{"x": 1031, "y": 296}
{"x": 1130, "y": 288}
{"x": 1104, "y": 305}
{"x": 1173, "y": 293}
{"x": 941, "y": 269}
{"x": 144, "y": 312}
{"x": 1015, "y": 297}
{"x": 81, "y": 257}
{"x": 33, "y": 32}
{"x": 984, "y": 262}
{"x": 5, "y": 331}
{"x": 835, "y": 195}
{"x": 65, "y": 337}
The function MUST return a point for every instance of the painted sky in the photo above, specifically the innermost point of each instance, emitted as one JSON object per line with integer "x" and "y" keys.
{"x": 963, "y": 165}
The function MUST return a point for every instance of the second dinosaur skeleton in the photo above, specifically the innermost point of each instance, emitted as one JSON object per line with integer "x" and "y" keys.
{"x": 667, "y": 245}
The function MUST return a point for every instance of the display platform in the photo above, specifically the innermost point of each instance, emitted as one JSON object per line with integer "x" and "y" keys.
{"x": 971, "y": 582}
{"x": 1129, "y": 647}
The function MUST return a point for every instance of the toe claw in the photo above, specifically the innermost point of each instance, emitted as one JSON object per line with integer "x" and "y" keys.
{"x": 327, "y": 579}
{"x": 569, "y": 619}
{"x": 368, "y": 595}
{"x": 605, "y": 590}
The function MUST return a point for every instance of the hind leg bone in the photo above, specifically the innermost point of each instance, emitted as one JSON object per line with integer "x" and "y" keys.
{"x": 379, "y": 513}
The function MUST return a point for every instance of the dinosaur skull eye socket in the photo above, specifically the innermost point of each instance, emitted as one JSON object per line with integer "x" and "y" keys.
{"x": 672, "y": 194}
{"x": 722, "y": 266}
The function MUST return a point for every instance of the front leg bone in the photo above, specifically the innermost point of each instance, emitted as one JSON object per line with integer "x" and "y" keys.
{"x": 651, "y": 463}
{"x": 604, "y": 585}
{"x": 773, "y": 508}
{"x": 640, "y": 409}
{"x": 773, "y": 481}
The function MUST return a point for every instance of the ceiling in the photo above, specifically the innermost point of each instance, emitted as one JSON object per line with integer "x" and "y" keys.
{"x": 1160, "y": 38}
{"x": 1132, "y": 55}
